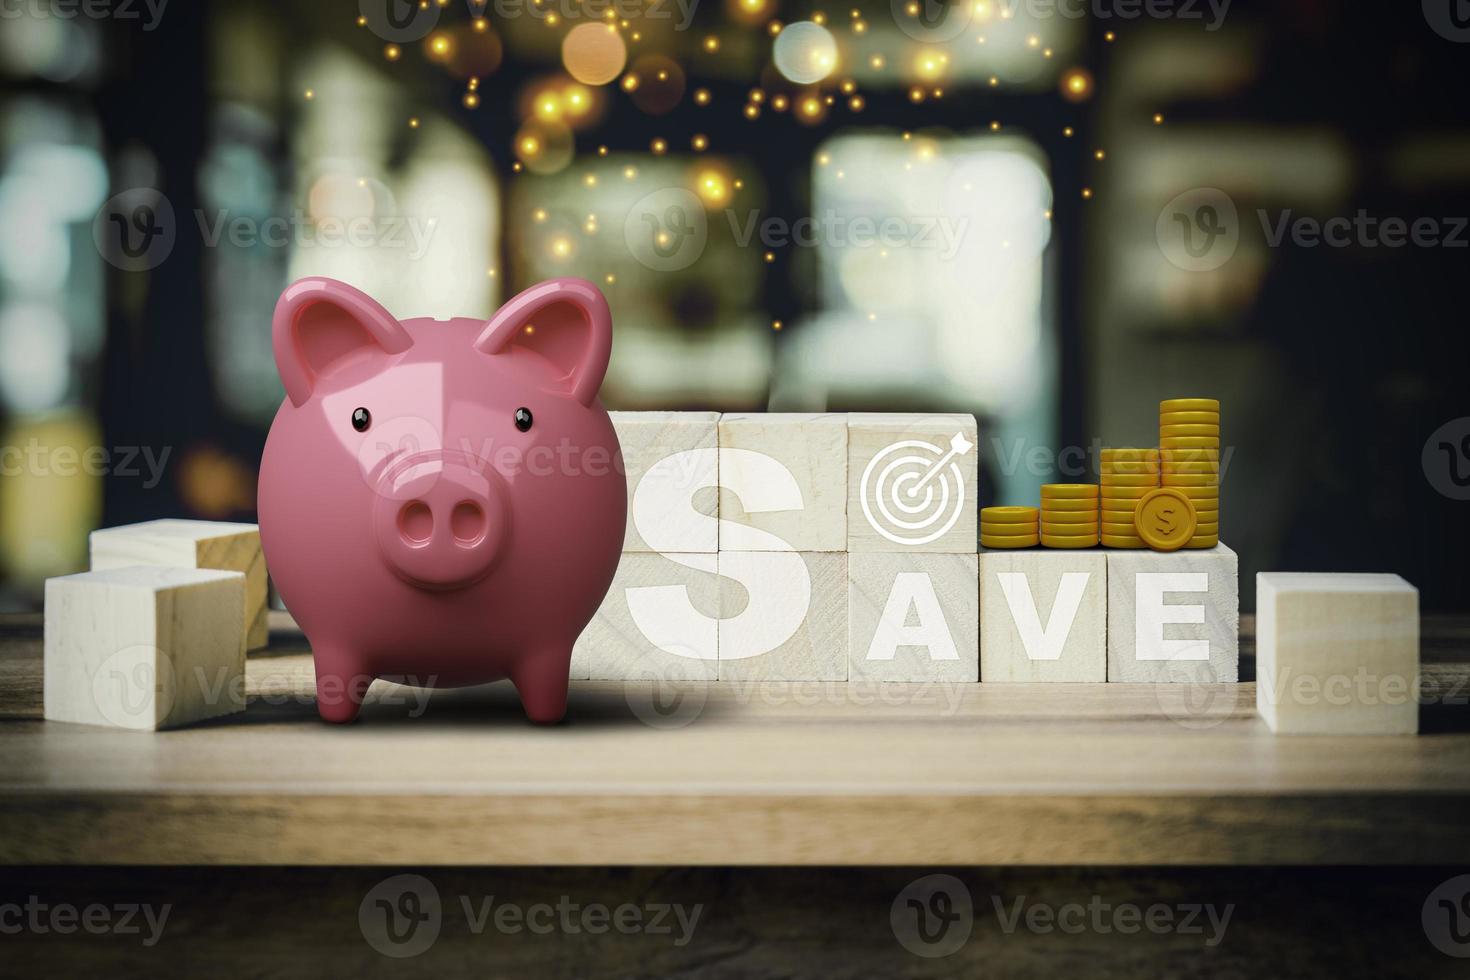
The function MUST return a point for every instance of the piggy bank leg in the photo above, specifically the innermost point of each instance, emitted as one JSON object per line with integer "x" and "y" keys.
{"x": 340, "y": 686}
{"x": 541, "y": 681}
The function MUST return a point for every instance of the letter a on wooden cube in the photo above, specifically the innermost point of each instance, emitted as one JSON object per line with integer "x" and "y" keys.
{"x": 1043, "y": 616}
{"x": 784, "y": 475}
{"x": 911, "y": 483}
{"x": 783, "y": 616}
{"x": 1174, "y": 617}
{"x": 658, "y": 621}
{"x": 1337, "y": 654}
{"x": 145, "y": 647}
{"x": 671, "y": 459}
{"x": 913, "y": 617}
{"x": 193, "y": 544}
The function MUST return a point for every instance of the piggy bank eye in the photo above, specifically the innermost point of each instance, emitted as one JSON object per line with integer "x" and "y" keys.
{"x": 361, "y": 419}
{"x": 523, "y": 419}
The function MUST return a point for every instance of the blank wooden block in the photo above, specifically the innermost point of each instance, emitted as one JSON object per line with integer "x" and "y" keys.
{"x": 1337, "y": 654}
{"x": 193, "y": 544}
{"x": 660, "y": 619}
{"x": 1044, "y": 616}
{"x": 671, "y": 459}
{"x": 783, "y": 616}
{"x": 912, "y": 483}
{"x": 144, "y": 647}
{"x": 1174, "y": 617}
{"x": 913, "y": 617}
{"x": 785, "y": 477}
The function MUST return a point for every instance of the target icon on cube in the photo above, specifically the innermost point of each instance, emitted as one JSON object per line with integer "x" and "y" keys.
{"x": 913, "y": 492}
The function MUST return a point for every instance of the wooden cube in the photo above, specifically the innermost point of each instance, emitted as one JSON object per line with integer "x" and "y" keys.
{"x": 1337, "y": 654}
{"x": 1174, "y": 617}
{"x": 193, "y": 544}
{"x": 783, "y": 616}
{"x": 144, "y": 647}
{"x": 660, "y": 619}
{"x": 913, "y": 617}
{"x": 1044, "y": 616}
{"x": 912, "y": 483}
{"x": 671, "y": 460}
{"x": 783, "y": 476}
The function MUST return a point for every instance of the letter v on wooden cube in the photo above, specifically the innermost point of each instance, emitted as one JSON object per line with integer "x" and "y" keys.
{"x": 1043, "y": 616}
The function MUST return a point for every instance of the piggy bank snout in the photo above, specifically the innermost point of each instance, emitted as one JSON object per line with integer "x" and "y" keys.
{"x": 440, "y": 519}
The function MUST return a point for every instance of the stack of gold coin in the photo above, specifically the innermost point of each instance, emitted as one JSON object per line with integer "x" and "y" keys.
{"x": 1069, "y": 515}
{"x": 1010, "y": 527}
{"x": 1127, "y": 474}
{"x": 1189, "y": 460}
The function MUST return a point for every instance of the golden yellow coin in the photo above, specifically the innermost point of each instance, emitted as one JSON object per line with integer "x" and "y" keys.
{"x": 1069, "y": 541}
{"x": 1117, "y": 528}
{"x": 1196, "y": 454}
{"x": 1088, "y": 516}
{"x": 1206, "y": 530}
{"x": 1068, "y": 530}
{"x": 1165, "y": 519}
{"x": 1128, "y": 455}
{"x": 1206, "y": 516}
{"x": 1124, "y": 503}
{"x": 1130, "y": 480}
{"x": 1055, "y": 504}
{"x": 1127, "y": 493}
{"x": 1068, "y": 491}
{"x": 1213, "y": 431}
{"x": 1202, "y": 496}
{"x": 1190, "y": 480}
{"x": 1206, "y": 542}
{"x": 1190, "y": 405}
{"x": 1190, "y": 442}
{"x": 1009, "y": 530}
{"x": 1009, "y": 515}
{"x": 1009, "y": 541}
{"x": 1189, "y": 418}
{"x": 1116, "y": 541}
{"x": 1203, "y": 466}
{"x": 1138, "y": 468}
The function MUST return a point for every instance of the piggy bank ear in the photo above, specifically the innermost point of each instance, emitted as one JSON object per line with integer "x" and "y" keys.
{"x": 564, "y": 321}
{"x": 320, "y": 322}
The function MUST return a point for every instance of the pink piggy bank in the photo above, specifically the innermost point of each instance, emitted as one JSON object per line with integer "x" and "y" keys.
{"x": 442, "y": 501}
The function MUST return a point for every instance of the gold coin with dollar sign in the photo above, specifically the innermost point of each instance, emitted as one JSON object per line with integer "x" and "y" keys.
{"x": 1165, "y": 519}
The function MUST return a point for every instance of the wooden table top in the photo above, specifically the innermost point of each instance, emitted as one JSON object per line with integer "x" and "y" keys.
{"x": 758, "y": 774}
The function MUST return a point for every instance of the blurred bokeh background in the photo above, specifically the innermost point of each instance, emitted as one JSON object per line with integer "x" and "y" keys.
{"x": 792, "y": 206}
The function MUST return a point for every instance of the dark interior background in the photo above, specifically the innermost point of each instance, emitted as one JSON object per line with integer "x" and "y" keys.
{"x": 1341, "y": 369}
